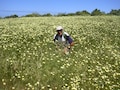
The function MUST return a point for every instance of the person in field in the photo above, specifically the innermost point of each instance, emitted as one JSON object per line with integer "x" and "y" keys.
{"x": 63, "y": 40}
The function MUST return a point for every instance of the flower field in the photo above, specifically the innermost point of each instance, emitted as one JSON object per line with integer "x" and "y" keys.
{"x": 30, "y": 61}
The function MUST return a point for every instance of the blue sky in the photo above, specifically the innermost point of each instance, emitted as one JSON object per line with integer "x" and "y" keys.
{"x": 23, "y": 7}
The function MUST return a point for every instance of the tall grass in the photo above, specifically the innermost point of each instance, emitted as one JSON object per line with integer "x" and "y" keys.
{"x": 30, "y": 61}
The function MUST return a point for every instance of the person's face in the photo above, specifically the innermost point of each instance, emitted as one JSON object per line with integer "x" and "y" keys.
{"x": 59, "y": 32}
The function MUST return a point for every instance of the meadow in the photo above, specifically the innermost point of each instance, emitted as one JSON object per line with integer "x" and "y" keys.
{"x": 30, "y": 61}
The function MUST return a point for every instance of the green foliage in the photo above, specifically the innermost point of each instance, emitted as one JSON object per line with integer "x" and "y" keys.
{"x": 115, "y": 12}
{"x": 83, "y": 13}
{"x": 30, "y": 61}
{"x": 33, "y": 15}
{"x": 70, "y": 14}
{"x": 97, "y": 12}
{"x": 12, "y": 16}
{"x": 48, "y": 14}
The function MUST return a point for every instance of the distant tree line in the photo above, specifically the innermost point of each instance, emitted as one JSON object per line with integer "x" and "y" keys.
{"x": 95, "y": 12}
{"x": 12, "y": 16}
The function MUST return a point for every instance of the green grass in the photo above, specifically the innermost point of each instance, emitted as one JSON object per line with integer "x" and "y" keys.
{"x": 29, "y": 60}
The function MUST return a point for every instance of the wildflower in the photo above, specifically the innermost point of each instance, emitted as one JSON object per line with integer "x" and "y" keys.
{"x": 4, "y": 83}
{"x": 13, "y": 88}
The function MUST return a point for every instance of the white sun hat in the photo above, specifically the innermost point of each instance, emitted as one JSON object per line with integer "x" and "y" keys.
{"x": 59, "y": 28}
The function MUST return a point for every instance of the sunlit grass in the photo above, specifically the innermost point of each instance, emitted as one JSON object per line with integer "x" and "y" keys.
{"x": 30, "y": 61}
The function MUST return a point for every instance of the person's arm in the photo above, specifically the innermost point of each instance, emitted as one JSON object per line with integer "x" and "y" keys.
{"x": 54, "y": 38}
{"x": 55, "y": 41}
{"x": 72, "y": 44}
{"x": 70, "y": 40}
